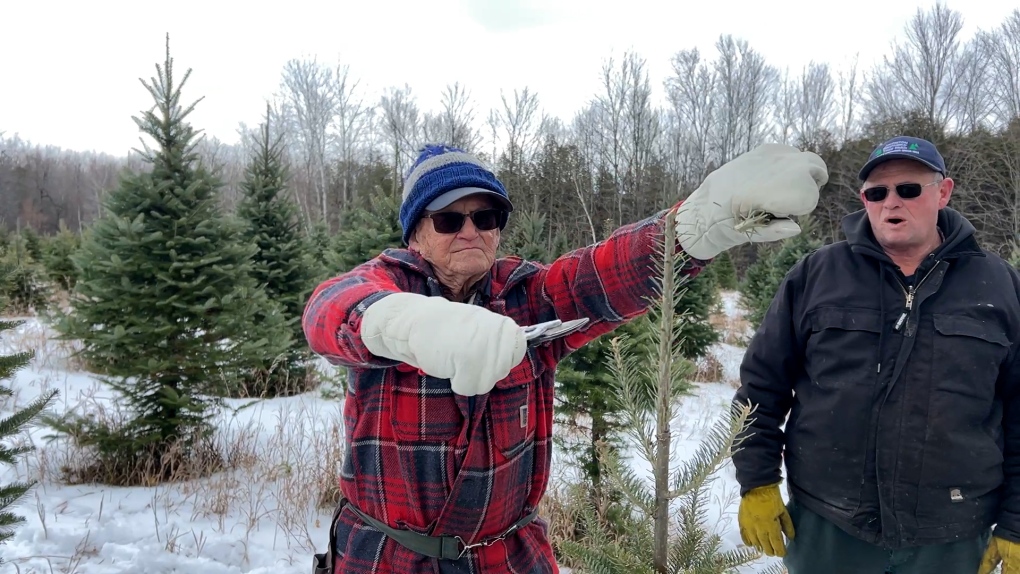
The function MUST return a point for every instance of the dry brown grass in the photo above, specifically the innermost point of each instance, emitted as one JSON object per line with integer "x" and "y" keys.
{"x": 710, "y": 370}
{"x": 733, "y": 329}
{"x": 268, "y": 464}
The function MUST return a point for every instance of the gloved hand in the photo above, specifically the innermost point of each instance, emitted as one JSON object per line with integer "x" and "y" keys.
{"x": 773, "y": 178}
{"x": 470, "y": 345}
{"x": 1004, "y": 551}
{"x": 763, "y": 520}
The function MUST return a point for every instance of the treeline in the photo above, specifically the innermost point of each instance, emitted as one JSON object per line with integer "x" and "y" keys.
{"x": 621, "y": 156}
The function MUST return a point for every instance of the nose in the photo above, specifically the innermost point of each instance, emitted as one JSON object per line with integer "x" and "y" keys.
{"x": 468, "y": 230}
{"x": 892, "y": 200}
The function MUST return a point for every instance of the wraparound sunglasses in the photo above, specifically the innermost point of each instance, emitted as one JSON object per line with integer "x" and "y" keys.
{"x": 904, "y": 190}
{"x": 453, "y": 221}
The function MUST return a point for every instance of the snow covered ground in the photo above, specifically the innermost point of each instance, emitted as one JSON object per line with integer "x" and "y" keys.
{"x": 260, "y": 518}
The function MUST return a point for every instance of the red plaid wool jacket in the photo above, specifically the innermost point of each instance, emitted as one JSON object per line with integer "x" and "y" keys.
{"x": 420, "y": 457}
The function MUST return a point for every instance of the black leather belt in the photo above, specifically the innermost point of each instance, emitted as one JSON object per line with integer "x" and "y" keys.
{"x": 445, "y": 547}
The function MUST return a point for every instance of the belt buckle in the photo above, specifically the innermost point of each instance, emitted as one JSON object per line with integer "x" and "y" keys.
{"x": 483, "y": 543}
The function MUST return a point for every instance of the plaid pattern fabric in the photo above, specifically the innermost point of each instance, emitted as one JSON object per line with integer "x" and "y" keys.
{"x": 412, "y": 444}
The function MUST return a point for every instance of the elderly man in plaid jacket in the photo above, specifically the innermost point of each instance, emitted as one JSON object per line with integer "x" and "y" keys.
{"x": 449, "y": 411}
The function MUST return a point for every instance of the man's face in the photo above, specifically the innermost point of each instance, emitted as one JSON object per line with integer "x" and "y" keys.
{"x": 906, "y": 225}
{"x": 465, "y": 254}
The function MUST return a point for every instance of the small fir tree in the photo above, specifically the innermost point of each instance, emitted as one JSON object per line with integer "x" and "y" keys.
{"x": 26, "y": 288}
{"x": 321, "y": 246}
{"x": 32, "y": 242}
{"x": 12, "y": 425}
{"x": 725, "y": 271}
{"x": 57, "y": 252}
{"x": 283, "y": 263}
{"x": 365, "y": 232}
{"x": 166, "y": 305}
{"x": 529, "y": 238}
{"x": 659, "y": 540}
{"x": 763, "y": 277}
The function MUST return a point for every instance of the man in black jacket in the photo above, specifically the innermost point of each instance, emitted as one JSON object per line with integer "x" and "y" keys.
{"x": 893, "y": 353}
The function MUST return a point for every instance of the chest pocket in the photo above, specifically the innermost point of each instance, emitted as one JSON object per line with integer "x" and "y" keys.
{"x": 513, "y": 407}
{"x": 971, "y": 352}
{"x": 843, "y": 348}
{"x": 424, "y": 410}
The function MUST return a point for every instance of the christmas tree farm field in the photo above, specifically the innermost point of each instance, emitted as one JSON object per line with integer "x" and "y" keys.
{"x": 265, "y": 508}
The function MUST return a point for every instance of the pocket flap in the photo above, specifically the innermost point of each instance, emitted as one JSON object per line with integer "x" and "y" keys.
{"x": 963, "y": 326}
{"x": 847, "y": 319}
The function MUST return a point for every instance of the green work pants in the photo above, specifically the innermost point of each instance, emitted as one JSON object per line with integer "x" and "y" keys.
{"x": 820, "y": 547}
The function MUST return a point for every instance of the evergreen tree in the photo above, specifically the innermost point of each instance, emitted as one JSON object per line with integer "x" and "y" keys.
{"x": 725, "y": 271}
{"x": 166, "y": 305}
{"x": 321, "y": 246}
{"x": 365, "y": 232}
{"x": 585, "y": 389}
{"x": 57, "y": 254}
{"x": 528, "y": 238}
{"x": 657, "y": 539}
{"x": 26, "y": 288}
{"x": 283, "y": 264}
{"x": 763, "y": 277}
{"x": 695, "y": 303}
{"x": 11, "y": 494}
{"x": 32, "y": 243}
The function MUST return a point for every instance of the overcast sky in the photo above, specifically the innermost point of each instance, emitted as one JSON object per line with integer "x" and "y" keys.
{"x": 69, "y": 69}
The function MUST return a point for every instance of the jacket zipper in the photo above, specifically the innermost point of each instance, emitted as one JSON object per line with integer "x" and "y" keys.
{"x": 909, "y": 294}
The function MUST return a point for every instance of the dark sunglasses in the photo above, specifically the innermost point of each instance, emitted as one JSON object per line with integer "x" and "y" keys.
{"x": 453, "y": 221}
{"x": 904, "y": 190}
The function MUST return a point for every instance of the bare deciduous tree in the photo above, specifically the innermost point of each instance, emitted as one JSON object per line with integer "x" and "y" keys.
{"x": 816, "y": 106}
{"x": 309, "y": 93}
{"x": 519, "y": 121}
{"x": 746, "y": 85}
{"x": 1003, "y": 50}
{"x": 400, "y": 127}
{"x": 352, "y": 122}
{"x": 848, "y": 86}
{"x": 691, "y": 93}
{"x": 922, "y": 74}
{"x": 455, "y": 122}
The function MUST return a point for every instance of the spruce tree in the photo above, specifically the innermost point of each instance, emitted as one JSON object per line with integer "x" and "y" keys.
{"x": 695, "y": 303}
{"x": 26, "y": 287}
{"x": 57, "y": 254}
{"x": 165, "y": 304}
{"x": 322, "y": 247}
{"x": 763, "y": 277}
{"x": 660, "y": 538}
{"x": 12, "y": 493}
{"x": 725, "y": 272}
{"x": 283, "y": 263}
{"x": 33, "y": 243}
{"x": 528, "y": 238}
{"x": 365, "y": 232}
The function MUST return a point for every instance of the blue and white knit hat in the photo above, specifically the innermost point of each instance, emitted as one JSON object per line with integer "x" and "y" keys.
{"x": 441, "y": 175}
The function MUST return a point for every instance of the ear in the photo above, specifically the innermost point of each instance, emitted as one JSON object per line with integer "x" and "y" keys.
{"x": 946, "y": 191}
{"x": 860, "y": 194}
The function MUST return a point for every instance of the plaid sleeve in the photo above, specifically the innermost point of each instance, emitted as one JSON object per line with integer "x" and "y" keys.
{"x": 332, "y": 317}
{"x": 609, "y": 282}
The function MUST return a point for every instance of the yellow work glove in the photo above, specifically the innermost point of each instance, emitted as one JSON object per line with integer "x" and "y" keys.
{"x": 763, "y": 520}
{"x": 1004, "y": 551}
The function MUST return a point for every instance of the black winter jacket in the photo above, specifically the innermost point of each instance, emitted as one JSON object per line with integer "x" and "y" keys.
{"x": 904, "y": 418}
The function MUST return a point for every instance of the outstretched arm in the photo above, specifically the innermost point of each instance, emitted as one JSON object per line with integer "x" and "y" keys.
{"x": 333, "y": 314}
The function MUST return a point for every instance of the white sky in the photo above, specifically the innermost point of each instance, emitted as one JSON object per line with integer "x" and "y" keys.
{"x": 69, "y": 69}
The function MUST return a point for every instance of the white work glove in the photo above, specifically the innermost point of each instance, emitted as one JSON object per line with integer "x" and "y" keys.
{"x": 773, "y": 178}
{"x": 470, "y": 345}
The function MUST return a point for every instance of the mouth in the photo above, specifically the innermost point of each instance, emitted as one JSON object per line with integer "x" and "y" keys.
{"x": 894, "y": 221}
